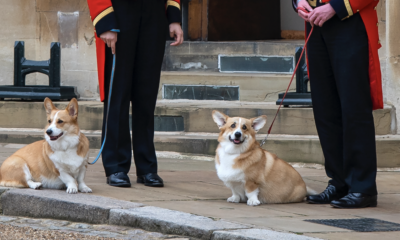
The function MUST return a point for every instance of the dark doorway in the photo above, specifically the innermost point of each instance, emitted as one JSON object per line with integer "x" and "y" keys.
{"x": 238, "y": 20}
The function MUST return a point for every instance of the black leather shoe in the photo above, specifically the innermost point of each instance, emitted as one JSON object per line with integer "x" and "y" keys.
{"x": 151, "y": 180}
{"x": 356, "y": 200}
{"x": 326, "y": 197}
{"x": 120, "y": 179}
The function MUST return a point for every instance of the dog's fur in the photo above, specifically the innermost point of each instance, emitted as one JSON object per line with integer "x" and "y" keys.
{"x": 253, "y": 174}
{"x": 58, "y": 162}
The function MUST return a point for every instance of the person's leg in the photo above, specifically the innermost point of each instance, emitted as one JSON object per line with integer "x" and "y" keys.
{"x": 326, "y": 107}
{"x": 146, "y": 79}
{"x": 117, "y": 150}
{"x": 349, "y": 53}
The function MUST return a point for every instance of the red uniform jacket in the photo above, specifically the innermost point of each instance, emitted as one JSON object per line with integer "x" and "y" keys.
{"x": 103, "y": 17}
{"x": 367, "y": 9}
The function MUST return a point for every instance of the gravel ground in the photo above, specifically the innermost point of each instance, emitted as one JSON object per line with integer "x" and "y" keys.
{"x": 12, "y": 232}
{"x": 12, "y": 228}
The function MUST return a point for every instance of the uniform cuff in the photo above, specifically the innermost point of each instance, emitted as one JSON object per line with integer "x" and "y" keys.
{"x": 106, "y": 23}
{"x": 174, "y": 14}
{"x": 342, "y": 8}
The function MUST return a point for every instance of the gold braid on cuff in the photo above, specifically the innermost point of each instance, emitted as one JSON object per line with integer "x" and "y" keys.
{"x": 102, "y": 15}
{"x": 348, "y": 7}
{"x": 173, "y": 3}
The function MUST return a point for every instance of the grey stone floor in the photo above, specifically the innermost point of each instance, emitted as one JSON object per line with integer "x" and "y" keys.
{"x": 192, "y": 186}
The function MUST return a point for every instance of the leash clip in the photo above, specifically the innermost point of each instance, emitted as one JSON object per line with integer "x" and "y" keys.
{"x": 264, "y": 141}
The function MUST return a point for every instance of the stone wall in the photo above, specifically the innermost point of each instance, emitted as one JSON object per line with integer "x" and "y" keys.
{"x": 37, "y": 22}
{"x": 40, "y": 22}
{"x": 389, "y": 19}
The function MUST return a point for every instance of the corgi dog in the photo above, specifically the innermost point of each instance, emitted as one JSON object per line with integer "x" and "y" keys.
{"x": 58, "y": 162}
{"x": 253, "y": 174}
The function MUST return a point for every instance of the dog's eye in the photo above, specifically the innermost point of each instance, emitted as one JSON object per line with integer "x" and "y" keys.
{"x": 60, "y": 121}
{"x": 49, "y": 121}
{"x": 233, "y": 125}
{"x": 244, "y": 127}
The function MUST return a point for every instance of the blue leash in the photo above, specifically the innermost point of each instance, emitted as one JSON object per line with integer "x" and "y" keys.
{"x": 108, "y": 110}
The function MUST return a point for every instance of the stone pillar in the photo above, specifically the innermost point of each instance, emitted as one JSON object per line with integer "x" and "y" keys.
{"x": 392, "y": 59}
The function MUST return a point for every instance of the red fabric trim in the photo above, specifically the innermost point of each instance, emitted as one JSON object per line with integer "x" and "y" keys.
{"x": 98, "y": 6}
{"x": 101, "y": 60}
{"x": 370, "y": 19}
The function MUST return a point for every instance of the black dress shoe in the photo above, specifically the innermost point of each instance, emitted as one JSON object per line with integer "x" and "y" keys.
{"x": 120, "y": 179}
{"x": 151, "y": 180}
{"x": 356, "y": 200}
{"x": 326, "y": 197}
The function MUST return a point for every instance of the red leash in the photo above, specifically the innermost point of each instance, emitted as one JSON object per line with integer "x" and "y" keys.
{"x": 291, "y": 80}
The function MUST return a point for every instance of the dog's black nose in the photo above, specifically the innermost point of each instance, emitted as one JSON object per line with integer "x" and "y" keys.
{"x": 49, "y": 131}
{"x": 238, "y": 134}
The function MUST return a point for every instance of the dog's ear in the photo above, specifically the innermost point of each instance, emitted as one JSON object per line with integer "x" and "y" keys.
{"x": 219, "y": 118}
{"x": 72, "y": 108}
{"x": 258, "y": 123}
{"x": 49, "y": 106}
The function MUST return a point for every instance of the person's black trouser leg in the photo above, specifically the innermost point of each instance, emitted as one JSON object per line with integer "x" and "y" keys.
{"x": 146, "y": 80}
{"x": 338, "y": 55}
{"x": 139, "y": 51}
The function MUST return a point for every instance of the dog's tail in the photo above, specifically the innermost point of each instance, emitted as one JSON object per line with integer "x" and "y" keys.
{"x": 311, "y": 191}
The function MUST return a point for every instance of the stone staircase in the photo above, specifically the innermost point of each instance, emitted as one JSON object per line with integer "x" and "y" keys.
{"x": 192, "y": 87}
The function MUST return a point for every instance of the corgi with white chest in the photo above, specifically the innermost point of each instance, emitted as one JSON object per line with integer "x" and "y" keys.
{"x": 253, "y": 174}
{"x": 57, "y": 162}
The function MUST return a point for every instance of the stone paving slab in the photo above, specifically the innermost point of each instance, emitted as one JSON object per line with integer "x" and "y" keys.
{"x": 192, "y": 186}
{"x": 256, "y": 234}
{"x": 170, "y": 222}
{"x": 58, "y": 204}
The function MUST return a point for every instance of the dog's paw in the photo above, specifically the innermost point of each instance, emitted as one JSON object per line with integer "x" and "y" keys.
{"x": 35, "y": 185}
{"x": 253, "y": 202}
{"x": 234, "y": 199}
{"x": 85, "y": 189}
{"x": 72, "y": 190}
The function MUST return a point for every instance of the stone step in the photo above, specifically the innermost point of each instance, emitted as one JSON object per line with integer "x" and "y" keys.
{"x": 291, "y": 148}
{"x": 253, "y": 87}
{"x": 184, "y": 115}
{"x": 203, "y": 56}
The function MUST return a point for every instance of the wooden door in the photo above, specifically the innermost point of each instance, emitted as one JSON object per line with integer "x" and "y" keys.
{"x": 239, "y": 20}
{"x": 198, "y": 20}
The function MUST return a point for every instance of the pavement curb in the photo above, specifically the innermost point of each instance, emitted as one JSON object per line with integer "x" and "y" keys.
{"x": 57, "y": 204}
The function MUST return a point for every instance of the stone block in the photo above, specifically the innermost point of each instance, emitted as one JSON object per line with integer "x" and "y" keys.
{"x": 216, "y": 48}
{"x": 2, "y": 191}
{"x": 170, "y": 222}
{"x": 283, "y": 48}
{"x": 18, "y": 20}
{"x": 256, "y": 234}
{"x": 252, "y": 87}
{"x": 59, "y": 5}
{"x": 57, "y": 204}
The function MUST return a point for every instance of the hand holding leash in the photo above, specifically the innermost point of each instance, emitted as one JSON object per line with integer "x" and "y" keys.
{"x": 304, "y": 9}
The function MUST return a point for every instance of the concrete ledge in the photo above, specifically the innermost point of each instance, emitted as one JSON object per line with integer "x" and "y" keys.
{"x": 196, "y": 115}
{"x": 58, "y": 204}
{"x": 2, "y": 191}
{"x": 291, "y": 148}
{"x": 170, "y": 222}
{"x": 256, "y": 234}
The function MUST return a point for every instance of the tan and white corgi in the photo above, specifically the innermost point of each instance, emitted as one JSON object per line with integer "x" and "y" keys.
{"x": 57, "y": 162}
{"x": 253, "y": 174}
